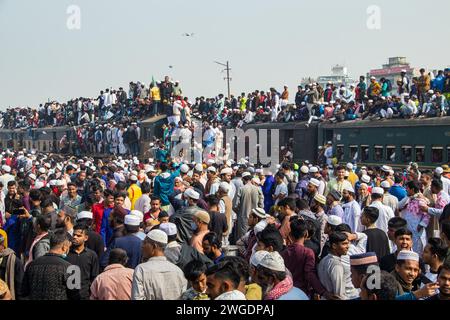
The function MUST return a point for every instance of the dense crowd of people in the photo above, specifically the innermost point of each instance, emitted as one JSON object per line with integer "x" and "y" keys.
{"x": 163, "y": 229}
{"x": 426, "y": 95}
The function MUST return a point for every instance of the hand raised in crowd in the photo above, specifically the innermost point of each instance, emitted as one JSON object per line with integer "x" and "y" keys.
{"x": 427, "y": 290}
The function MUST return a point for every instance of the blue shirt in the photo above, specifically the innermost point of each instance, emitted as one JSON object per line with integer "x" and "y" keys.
{"x": 294, "y": 294}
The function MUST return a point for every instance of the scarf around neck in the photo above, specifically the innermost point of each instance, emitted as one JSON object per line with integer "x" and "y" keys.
{"x": 280, "y": 289}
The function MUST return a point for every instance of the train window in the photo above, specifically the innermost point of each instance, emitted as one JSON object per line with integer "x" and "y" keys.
{"x": 364, "y": 153}
{"x": 44, "y": 147}
{"x": 406, "y": 154}
{"x": 420, "y": 154}
{"x": 437, "y": 154}
{"x": 378, "y": 153}
{"x": 340, "y": 152}
{"x": 390, "y": 153}
{"x": 353, "y": 153}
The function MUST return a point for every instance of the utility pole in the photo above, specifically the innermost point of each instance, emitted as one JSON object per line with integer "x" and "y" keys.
{"x": 227, "y": 69}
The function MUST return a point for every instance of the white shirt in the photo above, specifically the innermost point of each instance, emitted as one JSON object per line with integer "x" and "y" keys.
{"x": 281, "y": 189}
{"x": 352, "y": 215}
{"x": 385, "y": 214}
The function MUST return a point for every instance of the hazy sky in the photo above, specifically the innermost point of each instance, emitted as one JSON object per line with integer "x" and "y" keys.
{"x": 268, "y": 43}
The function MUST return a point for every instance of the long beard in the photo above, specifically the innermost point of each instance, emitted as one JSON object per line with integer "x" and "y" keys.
{"x": 266, "y": 289}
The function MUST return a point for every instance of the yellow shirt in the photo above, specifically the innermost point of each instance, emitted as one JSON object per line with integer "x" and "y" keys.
{"x": 134, "y": 193}
{"x": 352, "y": 177}
{"x": 5, "y": 236}
{"x": 156, "y": 95}
{"x": 253, "y": 292}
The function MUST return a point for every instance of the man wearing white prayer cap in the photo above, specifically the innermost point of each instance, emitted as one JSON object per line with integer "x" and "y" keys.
{"x": 271, "y": 274}
{"x": 131, "y": 243}
{"x": 385, "y": 212}
{"x": 407, "y": 269}
{"x": 389, "y": 199}
{"x": 157, "y": 279}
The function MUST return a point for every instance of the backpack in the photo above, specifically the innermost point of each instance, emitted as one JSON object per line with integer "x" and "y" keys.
{"x": 389, "y": 85}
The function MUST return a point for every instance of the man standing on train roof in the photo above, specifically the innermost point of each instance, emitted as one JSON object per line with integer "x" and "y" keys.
{"x": 329, "y": 153}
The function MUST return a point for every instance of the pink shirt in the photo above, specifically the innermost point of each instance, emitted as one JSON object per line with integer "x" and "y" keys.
{"x": 113, "y": 284}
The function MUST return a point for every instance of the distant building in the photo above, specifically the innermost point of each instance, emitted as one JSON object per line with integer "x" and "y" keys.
{"x": 392, "y": 71}
{"x": 339, "y": 75}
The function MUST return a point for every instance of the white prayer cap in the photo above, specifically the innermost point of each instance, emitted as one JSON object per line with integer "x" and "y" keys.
{"x": 178, "y": 179}
{"x": 191, "y": 193}
{"x": 319, "y": 198}
{"x": 212, "y": 169}
{"x": 6, "y": 168}
{"x": 224, "y": 186}
{"x": 133, "y": 178}
{"x": 132, "y": 220}
{"x": 408, "y": 255}
{"x": 246, "y": 174}
{"x": 257, "y": 257}
{"x": 349, "y": 188}
{"x": 372, "y": 78}
{"x": 229, "y": 163}
{"x": 314, "y": 182}
{"x": 32, "y": 176}
{"x": 385, "y": 184}
{"x": 333, "y": 220}
{"x": 39, "y": 184}
{"x": 59, "y": 183}
{"x": 349, "y": 166}
{"x": 377, "y": 190}
{"x": 198, "y": 167}
{"x": 84, "y": 215}
{"x": 346, "y": 173}
{"x": 430, "y": 91}
{"x": 273, "y": 261}
{"x": 313, "y": 169}
{"x": 260, "y": 226}
{"x": 184, "y": 168}
{"x": 226, "y": 171}
{"x": 385, "y": 168}
{"x": 134, "y": 173}
{"x": 365, "y": 178}
{"x": 52, "y": 182}
{"x": 210, "y": 161}
{"x": 136, "y": 161}
{"x": 304, "y": 169}
{"x": 158, "y": 236}
{"x": 260, "y": 212}
{"x": 169, "y": 228}
{"x": 439, "y": 170}
{"x": 41, "y": 170}
{"x": 138, "y": 214}
{"x": 151, "y": 160}
{"x": 403, "y": 70}
{"x": 47, "y": 165}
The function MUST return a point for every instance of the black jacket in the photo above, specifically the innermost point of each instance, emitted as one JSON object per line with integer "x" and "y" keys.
{"x": 47, "y": 278}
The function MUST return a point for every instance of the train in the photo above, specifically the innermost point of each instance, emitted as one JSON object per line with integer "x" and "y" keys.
{"x": 396, "y": 142}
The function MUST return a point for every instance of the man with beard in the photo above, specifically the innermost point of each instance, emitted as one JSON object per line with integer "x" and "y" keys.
{"x": 311, "y": 190}
{"x": 275, "y": 283}
{"x": 84, "y": 258}
{"x": 66, "y": 219}
{"x": 331, "y": 269}
{"x": 317, "y": 205}
{"x": 406, "y": 271}
{"x": 212, "y": 247}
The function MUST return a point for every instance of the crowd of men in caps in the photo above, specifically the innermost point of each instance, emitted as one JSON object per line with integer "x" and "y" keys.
{"x": 425, "y": 95}
{"x": 167, "y": 230}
